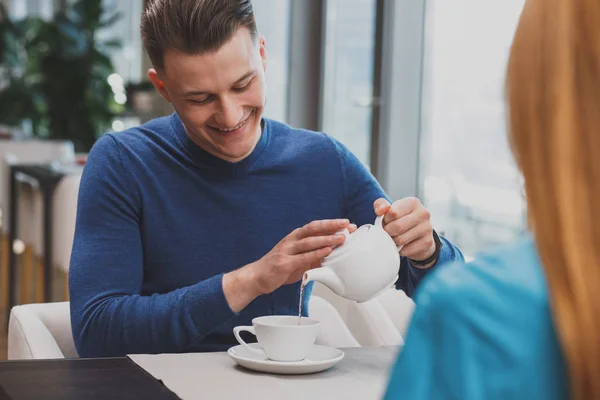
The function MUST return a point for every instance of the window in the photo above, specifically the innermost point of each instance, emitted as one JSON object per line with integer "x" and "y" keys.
{"x": 468, "y": 179}
{"x": 19, "y": 9}
{"x": 348, "y": 73}
{"x": 127, "y": 60}
{"x": 273, "y": 21}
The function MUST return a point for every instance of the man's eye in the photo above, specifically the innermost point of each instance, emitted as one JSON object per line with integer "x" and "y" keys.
{"x": 242, "y": 88}
{"x": 200, "y": 101}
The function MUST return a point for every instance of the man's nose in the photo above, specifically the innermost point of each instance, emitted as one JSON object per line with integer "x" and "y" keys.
{"x": 230, "y": 113}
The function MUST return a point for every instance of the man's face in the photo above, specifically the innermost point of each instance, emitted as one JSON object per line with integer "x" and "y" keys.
{"x": 220, "y": 96}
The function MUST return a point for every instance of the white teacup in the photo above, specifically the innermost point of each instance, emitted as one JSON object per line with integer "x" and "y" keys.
{"x": 280, "y": 336}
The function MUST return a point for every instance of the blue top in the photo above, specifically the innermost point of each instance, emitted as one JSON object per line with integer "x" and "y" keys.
{"x": 482, "y": 330}
{"x": 160, "y": 221}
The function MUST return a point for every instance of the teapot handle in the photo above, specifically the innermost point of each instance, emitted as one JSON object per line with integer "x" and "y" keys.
{"x": 379, "y": 224}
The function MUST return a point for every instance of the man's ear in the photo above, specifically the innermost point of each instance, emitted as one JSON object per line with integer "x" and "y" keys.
{"x": 158, "y": 84}
{"x": 263, "y": 51}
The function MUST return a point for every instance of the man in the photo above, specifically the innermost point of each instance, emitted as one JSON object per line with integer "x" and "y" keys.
{"x": 194, "y": 223}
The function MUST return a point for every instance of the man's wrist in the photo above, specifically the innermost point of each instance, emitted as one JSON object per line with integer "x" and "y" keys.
{"x": 433, "y": 258}
{"x": 240, "y": 288}
{"x": 420, "y": 266}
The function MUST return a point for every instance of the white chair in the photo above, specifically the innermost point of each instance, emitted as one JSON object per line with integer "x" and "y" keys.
{"x": 371, "y": 325}
{"x": 399, "y": 307}
{"x": 333, "y": 330}
{"x": 379, "y": 322}
{"x": 40, "y": 331}
{"x": 43, "y": 331}
{"x": 64, "y": 213}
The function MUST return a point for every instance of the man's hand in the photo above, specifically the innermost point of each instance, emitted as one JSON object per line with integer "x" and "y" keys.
{"x": 301, "y": 250}
{"x": 409, "y": 224}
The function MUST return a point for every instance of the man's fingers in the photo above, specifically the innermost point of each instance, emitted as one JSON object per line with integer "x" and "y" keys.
{"x": 317, "y": 242}
{"x": 309, "y": 258}
{"x": 401, "y": 208}
{"x": 420, "y": 249}
{"x": 381, "y": 206}
{"x": 321, "y": 227}
{"x": 402, "y": 225}
{"x": 299, "y": 273}
{"x": 422, "y": 230}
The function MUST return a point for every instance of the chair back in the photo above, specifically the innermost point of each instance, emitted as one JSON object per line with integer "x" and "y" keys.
{"x": 41, "y": 331}
{"x": 333, "y": 330}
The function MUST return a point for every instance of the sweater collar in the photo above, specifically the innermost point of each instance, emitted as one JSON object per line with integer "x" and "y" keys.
{"x": 205, "y": 159}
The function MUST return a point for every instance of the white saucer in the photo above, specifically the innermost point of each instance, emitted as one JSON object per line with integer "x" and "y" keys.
{"x": 319, "y": 358}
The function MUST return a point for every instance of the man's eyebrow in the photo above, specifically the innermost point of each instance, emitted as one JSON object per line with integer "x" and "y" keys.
{"x": 245, "y": 76}
{"x": 200, "y": 92}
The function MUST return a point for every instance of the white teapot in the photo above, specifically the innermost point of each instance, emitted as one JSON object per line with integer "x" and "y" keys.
{"x": 363, "y": 267}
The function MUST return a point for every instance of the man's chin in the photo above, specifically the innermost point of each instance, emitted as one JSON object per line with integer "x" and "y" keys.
{"x": 233, "y": 157}
{"x": 240, "y": 148}
{"x": 235, "y": 153}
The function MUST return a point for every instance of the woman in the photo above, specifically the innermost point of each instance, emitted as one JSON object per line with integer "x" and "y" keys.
{"x": 523, "y": 322}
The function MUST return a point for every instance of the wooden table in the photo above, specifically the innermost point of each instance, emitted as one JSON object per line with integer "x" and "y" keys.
{"x": 90, "y": 379}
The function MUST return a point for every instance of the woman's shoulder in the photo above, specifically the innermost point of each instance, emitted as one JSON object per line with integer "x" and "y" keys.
{"x": 500, "y": 298}
{"x": 482, "y": 329}
{"x": 506, "y": 274}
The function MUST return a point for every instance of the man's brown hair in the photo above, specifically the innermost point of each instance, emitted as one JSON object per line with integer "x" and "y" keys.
{"x": 192, "y": 26}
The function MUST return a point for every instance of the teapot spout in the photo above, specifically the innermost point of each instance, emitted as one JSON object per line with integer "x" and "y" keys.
{"x": 327, "y": 277}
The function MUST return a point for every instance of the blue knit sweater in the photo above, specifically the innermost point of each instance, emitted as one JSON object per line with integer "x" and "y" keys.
{"x": 160, "y": 220}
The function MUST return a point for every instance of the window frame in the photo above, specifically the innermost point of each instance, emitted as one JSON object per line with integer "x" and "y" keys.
{"x": 398, "y": 136}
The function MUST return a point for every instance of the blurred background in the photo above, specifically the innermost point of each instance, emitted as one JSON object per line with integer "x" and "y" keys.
{"x": 413, "y": 87}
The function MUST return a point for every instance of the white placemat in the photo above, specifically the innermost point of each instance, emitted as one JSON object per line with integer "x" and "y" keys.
{"x": 362, "y": 374}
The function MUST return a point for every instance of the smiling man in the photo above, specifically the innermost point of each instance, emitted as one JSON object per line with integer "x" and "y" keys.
{"x": 200, "y": 221}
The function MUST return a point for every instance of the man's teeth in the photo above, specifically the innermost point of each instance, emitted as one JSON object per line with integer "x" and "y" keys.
{"x": 232, "y": 129}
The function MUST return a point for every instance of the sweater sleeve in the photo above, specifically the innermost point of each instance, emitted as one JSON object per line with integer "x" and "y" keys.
{"x": 410, "y": 276}
{"x": 109, "y": 314}
{"x": 361, "y": 189}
